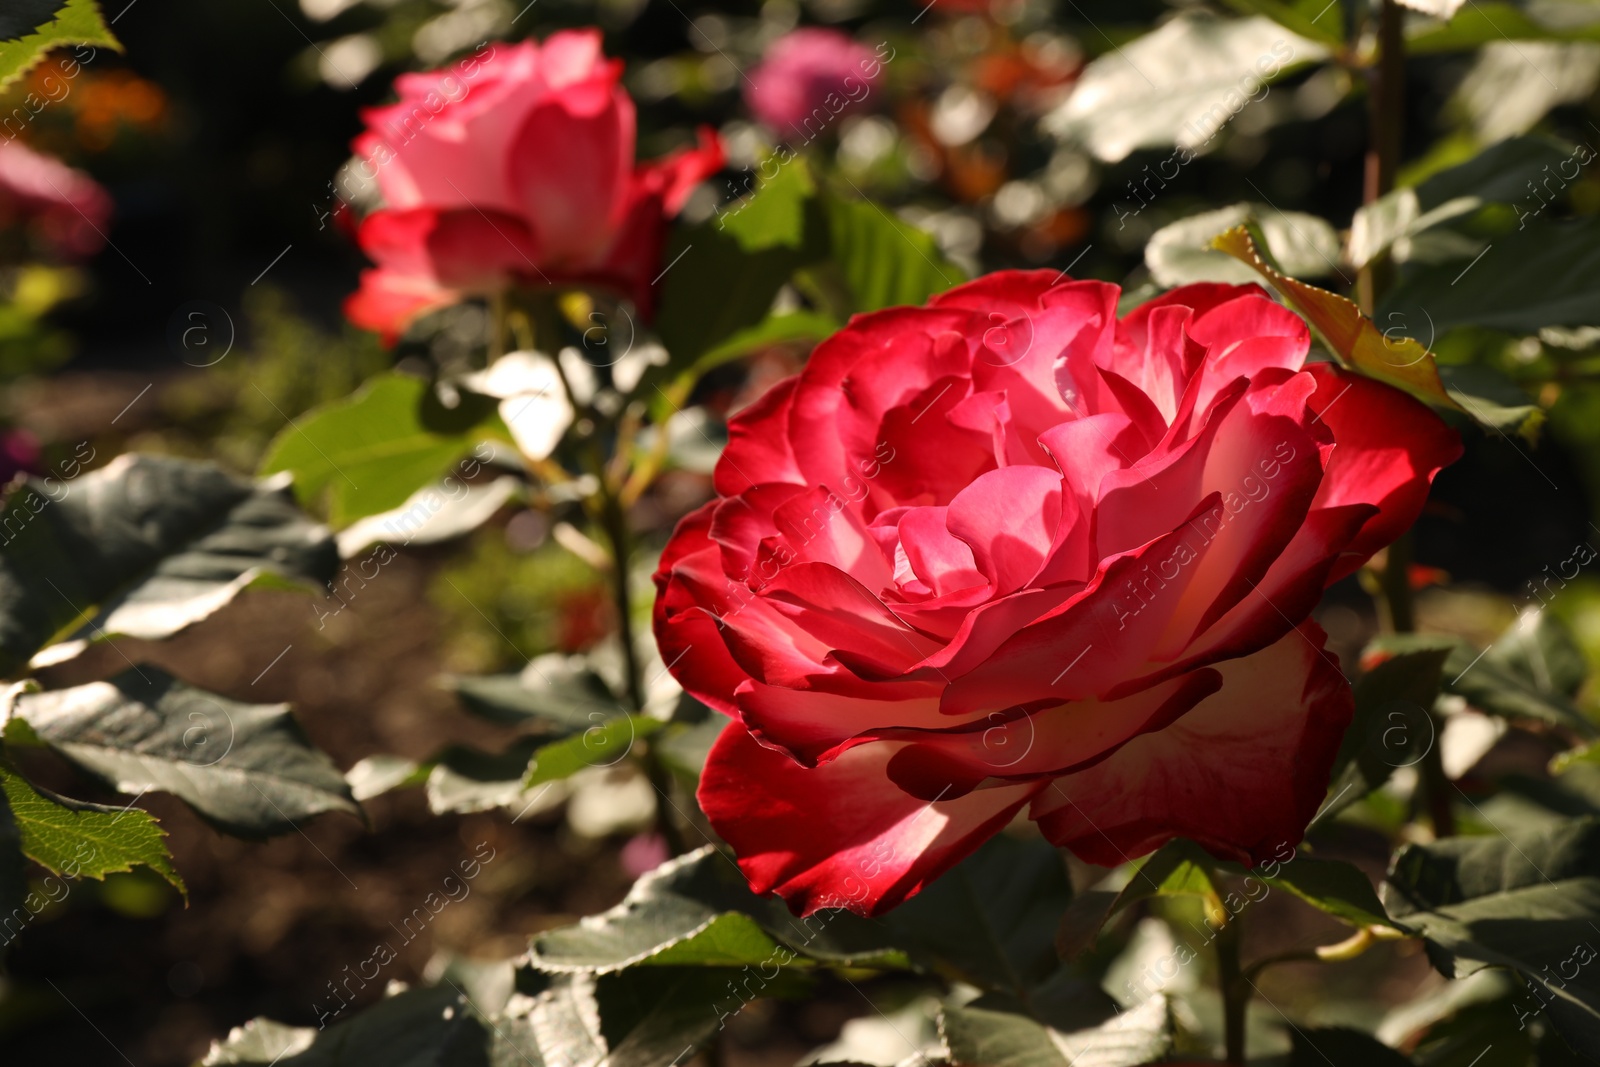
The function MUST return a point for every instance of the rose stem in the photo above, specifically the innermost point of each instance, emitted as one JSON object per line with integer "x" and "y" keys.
{"x": 613, "y": 519}
{"x": 1386, "y": 106}
{"x": 1231, "y": 982}
{"x": 498, "y": 307}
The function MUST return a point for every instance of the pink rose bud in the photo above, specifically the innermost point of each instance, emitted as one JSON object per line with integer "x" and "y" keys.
{"x": 513, "y": 167}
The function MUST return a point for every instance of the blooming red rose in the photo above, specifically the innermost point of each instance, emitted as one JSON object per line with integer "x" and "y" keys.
{"x": 808, "y": 78}
{"x": 1007, "y": 552}
{"x": 515, "y": 167}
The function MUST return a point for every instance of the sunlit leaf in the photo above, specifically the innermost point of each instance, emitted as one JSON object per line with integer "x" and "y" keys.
{"x": 30, "y": 28}
{"x": 1179, "y": 84}
{"x": 154, "y": 543}
{"x": 1303, "y": 246}
{"x": 369, "y": 452}
{"x": 1396, "y": 359}
{"x": 79, "y": 840}
{"x": 246, "y": 768}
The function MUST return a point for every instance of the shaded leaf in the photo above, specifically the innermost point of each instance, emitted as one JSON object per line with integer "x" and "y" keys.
{"x": 1529, "y": 901}
{"x": 246, "y": 768}
{"x": 155, "y": 543}
{"x": 1333, "y": 886}
{"x": 991, "y": 916}
{"x": 1498, "y": 174}
{"x": 1393, "y": 719}
{"x": 1492, "y": 398}
{"x": 1536, "y": 276}
{"x": 1392, "y": 358}
{"x": 976, "y": 1037}
{"x": 369, "y": 452}
{"x": 1532, "y": 671}
{"x": 1179, "y": 84}
{"x": 416, "y": 1028}
{"x": 1178, "y": 868}
{"x": 697, "y": 910}
{"x": 559, "y": 693}
{"x": 723, "y": 275}
{"x": 79, "y": 840}
{"x": 1322, "y": 1045}
{"x": 1181, "y": 252}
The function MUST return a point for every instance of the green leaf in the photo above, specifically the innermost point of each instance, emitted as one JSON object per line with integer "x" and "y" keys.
{"x": 74, "y": 22}
{"x": 13, "y": 871}
{"x": 1318, "y": 20}
{"x": 697, "y": 910}
{"x": 79, "y": 840}
{"x": 1319, "y": 1046}
{"x": 1492, "y": 398}
{"x": 465, "y": 779}
{"x": 558, "y": 692}
{"x": 885, "y": 261}
{"x": 723, "y": 275}
{"x": 1397, "y": 222}
{"x": 685, "y": 746}
{"x": 1499, "y": 98}
{"x": 1396, "y": 359}
{"x": 1179, "y": 84}
{"x": 1529, "y": 901}
{"x": 246, "y": 768}
{"x": 369, "y": 452}
{"x": 604, "y": 744}
{"x": 977, "y": 1037}
{"x": 1333, "y": 886}
{"x": 1303, "y": 246}
{"x": 991, "y": 916}
{"x": 1178, "y": 868}
{"x": 1491, "y": 21}
{"x": 155, "y": 543}
{"x": 1393, "y": 720}
{"x": 772, "y": 330}
{"x": 1532, "y": 671}
{"x": 416, "y": 1028}
{"x": 1539, "y": 275}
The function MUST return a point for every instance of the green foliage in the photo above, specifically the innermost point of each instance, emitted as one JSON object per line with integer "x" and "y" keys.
{"x": 246, "y": 768}
{"x": 882, "y": 261}
{"x": 725, "y": 273}
{"x": 1178, "y": 84}
{"x": 30, "y": 28}
{"x": 367, "y": 454}
{"x": 1303, "y": 246}
{"x": 982, "y": 1038}
{"x": 78, "y": 840}
{"x": 145, "y": 546}
{"x": 1528, "y": 901}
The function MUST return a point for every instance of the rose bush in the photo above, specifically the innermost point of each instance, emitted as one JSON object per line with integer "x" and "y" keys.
{"x": 1007, "y": 552}
{"x": 515, "y": 168}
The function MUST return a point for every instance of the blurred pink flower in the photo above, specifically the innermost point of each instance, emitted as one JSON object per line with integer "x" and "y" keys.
{"x": 809, "y": 78}
{"x": 515, "y": 167}
{"x": 19, "y": 453}
{"x": 64, "y": 209}
{"x": 644, "y": 852}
